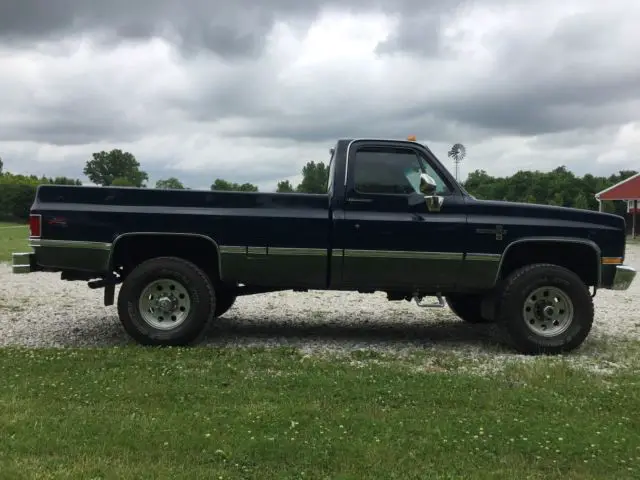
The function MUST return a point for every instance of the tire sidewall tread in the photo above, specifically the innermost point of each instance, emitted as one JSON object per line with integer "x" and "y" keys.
{"x": 519, "y": 285}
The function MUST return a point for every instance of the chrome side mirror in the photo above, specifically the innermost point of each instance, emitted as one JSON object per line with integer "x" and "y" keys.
{"x": 427, "y": 184}
{"x": 428, "y": 188}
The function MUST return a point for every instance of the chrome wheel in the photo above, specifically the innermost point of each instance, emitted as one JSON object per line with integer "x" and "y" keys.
{"x": 164, "y": 304}
{"x": 548, "y": 311}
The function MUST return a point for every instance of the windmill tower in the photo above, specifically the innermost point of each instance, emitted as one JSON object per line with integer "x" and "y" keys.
{"x": 457, "y": 153}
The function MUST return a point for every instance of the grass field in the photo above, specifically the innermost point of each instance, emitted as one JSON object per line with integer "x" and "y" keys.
{"x": 13, "y": 238}
{"x": 274, "y": 413}
{"x": 203, "y": 413}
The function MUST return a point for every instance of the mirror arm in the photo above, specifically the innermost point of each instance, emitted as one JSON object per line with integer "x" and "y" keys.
{"x": 434, "y": 202}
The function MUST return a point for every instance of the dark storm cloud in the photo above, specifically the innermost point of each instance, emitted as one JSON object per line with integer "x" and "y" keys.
{"x": 513, "y": 105}
{"x": 74, "y": 118}
{"x": 525, "y": 107}
{"x": 580, "y": 75}
{"x": 415, "y": 34}
{"x": 229, "y": 28}
{"x": 57, "y": 130}
{"x": 363, "y": 123}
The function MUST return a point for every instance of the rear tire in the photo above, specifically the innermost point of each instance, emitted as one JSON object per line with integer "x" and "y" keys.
{"x": 166, "y": 301}
{"x": 467, "y": 307}
{"x": 545, "y": 309}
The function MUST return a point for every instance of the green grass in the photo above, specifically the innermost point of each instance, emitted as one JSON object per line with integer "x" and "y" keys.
{"x": 13, "y": 238}
{"x": 239, "y": 413}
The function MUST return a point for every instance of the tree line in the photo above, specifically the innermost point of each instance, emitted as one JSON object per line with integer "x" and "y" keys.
{"x": 122, "y": 169}
{"x": 558, "y": 187}
{"x": 117, "y": 168}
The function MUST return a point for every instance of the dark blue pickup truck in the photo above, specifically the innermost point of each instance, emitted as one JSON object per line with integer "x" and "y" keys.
{"x": 393, "y": 220}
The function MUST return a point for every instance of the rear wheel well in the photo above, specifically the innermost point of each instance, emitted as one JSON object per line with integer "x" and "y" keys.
{"x": 582, "y": 259}
{"x": 132, "y": 250}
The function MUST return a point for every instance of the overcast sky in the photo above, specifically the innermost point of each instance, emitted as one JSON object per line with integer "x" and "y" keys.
{"x": 251, "y": 90}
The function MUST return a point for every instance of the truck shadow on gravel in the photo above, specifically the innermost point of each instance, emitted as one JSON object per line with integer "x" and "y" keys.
{"x": 329, "y": 333}
{"x": 234, "y": 330}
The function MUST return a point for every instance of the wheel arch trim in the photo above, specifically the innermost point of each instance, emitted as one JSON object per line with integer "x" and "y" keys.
{"x": 579, "y": 241}
{"x": 122, "y": 236}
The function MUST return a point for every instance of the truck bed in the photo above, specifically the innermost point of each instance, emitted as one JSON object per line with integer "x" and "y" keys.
{"x": 100, "y": 214}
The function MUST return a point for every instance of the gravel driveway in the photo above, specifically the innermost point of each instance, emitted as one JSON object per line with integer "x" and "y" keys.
{"x": 41, "y": 310}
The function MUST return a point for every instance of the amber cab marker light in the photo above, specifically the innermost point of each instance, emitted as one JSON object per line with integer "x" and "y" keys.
{"x": 411, "y": 138}
{"x": 612, "y": 260}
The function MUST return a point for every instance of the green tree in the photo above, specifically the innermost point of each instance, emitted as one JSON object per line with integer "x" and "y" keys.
{"x": 581, "y": 202}
{"x": 122, "y": 182}
{"x": 226, "y": 186}
{"x": 105, "y": 167}
{"x": 170, "y": 183}
{"x": 557, "y": 187}
{"x": 557, "y": 199}
{"x": 1, "y": 165}
{"x": 610, "y": 207}
{"x": 65, "y": 181}
{"x": 284, "y": 187}
{"x": 17, "y": 192}
{"x": 315, "y": 178}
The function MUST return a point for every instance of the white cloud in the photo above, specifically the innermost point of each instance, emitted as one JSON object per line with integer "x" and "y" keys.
{"x": 525, "y": 85}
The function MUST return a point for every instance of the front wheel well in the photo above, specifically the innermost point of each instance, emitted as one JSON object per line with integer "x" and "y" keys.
{"x": 131, "y": 250}
{"x": 580, "y": 258}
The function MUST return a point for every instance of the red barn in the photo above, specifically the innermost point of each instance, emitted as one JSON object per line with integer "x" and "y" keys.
{"x": 627, "y": 191}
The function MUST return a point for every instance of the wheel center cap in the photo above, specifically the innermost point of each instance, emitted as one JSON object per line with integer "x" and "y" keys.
{"x": 165, "y": 303}
{"x": 548, "y": 311}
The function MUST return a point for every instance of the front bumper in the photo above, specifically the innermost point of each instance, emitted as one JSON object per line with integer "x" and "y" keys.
{"x": 23, "y": 263}
{"x": 623, "y": 277}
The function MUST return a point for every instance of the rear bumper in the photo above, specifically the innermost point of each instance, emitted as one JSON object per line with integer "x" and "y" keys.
{"x": 23, "y": 263}
{"x": 623, "y": 277}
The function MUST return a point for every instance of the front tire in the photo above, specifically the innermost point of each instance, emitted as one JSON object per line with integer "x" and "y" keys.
{"x": 545, "y": 309}
{"x": 166, "y": 301}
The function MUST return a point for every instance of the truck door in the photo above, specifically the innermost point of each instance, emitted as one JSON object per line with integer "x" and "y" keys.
{"x": 388, "y": 241}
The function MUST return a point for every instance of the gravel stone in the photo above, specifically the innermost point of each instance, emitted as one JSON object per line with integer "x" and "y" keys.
{"x": 40, "y": 310}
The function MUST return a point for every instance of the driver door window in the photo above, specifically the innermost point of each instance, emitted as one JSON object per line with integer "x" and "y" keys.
{"x": 391, "y": 171}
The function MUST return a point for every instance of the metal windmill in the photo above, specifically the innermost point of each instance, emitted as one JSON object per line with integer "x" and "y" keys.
{"x": 457, "y": 153}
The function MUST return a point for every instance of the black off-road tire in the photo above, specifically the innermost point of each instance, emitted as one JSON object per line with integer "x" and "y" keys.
{"x": 520, "y": 284}
{"x": 466, "y": 307}
{"x": 196, "y": 283}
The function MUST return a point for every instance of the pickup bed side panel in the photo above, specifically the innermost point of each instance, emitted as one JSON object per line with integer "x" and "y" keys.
{"x": 264, "y": 239}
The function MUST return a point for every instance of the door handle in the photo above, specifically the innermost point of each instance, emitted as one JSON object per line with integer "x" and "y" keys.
{"x": 359, "y": 200}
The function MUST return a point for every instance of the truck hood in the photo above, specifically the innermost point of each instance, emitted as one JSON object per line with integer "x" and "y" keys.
{"x": 573, "y": 216}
